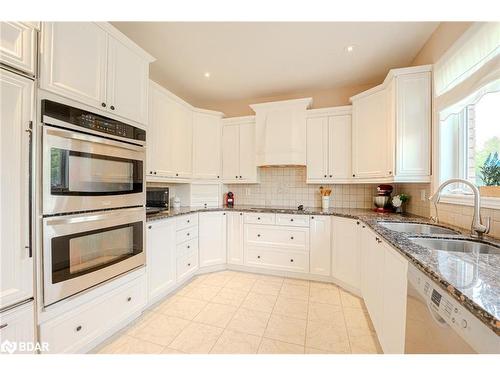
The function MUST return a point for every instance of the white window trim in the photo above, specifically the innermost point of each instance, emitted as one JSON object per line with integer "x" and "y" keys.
{"x": 468, "y": 200}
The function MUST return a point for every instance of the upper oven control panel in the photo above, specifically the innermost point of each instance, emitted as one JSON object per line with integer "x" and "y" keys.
{"x": 92, "y": 121}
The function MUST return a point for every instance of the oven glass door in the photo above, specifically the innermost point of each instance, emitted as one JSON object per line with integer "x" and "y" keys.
{"x": 76, "y": 254}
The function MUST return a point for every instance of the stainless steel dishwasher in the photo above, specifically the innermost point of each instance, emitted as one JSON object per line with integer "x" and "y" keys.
{"x": 436, "y": 323}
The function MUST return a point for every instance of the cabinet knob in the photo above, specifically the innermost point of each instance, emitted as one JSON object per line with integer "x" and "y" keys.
{"x": 241, "y": 177}
{"x": 258, "y": 256}
{"x": 241, "y": 213}
{"x": 353, "y": 175}
{"x": 258, "y": 235}
{"x": 189, "y": 264}
{"x": 363, "y": 226}
{"x": 150, "y": 172}
{"x": 112, "y": 107}
{"x": 154, "y": 172}
{"x": 312, "y": 217}
{"x": 177, "y": 174}
{"x": 104, "y": 105}
{"x": 224, "y": 214}
{"x": 291, "y": 260}
{"x": 218, "y": 176}
{"x": 187, "y": 234}
{"x": 331, "y": 176}
{"x": 150, "y": 226}
{"x": 236, "y": 176}
{"x": 357, "y": 222}
{"x": 291, "y": 219}
{"x": 291, "y": 238}
{"x": 390, "y": 172}
{"x": 258, "y": 218}
{"x": 189, "y": 221}
{"x": 78, "y": 329}
{"x": 325, "y": 175}
{"x": 188, "y": 246}
{"x": 129, "y": 299}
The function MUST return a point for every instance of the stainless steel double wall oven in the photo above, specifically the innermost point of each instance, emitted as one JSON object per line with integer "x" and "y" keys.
{"x": 93, "y": 199}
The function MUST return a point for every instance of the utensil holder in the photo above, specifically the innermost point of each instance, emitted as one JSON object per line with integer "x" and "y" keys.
{"x": 325, "y": 202}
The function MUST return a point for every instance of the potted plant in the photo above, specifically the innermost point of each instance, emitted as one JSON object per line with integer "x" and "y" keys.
{"x": 490, "y": 174}
{"x": 399, "y": 200}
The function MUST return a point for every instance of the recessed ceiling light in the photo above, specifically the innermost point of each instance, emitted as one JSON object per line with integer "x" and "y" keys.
{"x": 207, "y": 74}
{"x": 349, "y": 49}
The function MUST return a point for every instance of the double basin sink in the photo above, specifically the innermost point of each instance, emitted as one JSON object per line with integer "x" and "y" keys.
{"x": 446, "y": 244}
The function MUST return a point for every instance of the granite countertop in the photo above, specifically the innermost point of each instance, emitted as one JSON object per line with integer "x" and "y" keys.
{"x": 477, "y": 289}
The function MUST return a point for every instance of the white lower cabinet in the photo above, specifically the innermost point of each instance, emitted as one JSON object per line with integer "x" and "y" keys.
{"x": 187, "y": 259}
{"x": 82, "y": 328}
{"x": 212, "y": 238}
{"x": 320, "y": 245}
{"x": 235, "y": 238}
{"x": 17, "y": 327}
{"x": 346, "y": 262}
{"x": 161, "y": 261}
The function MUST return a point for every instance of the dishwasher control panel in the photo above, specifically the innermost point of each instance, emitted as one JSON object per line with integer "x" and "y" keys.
{"x": 449, "y": 312}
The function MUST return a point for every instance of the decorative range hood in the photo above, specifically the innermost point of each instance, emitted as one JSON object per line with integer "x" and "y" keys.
{"x": 280, "y": 132}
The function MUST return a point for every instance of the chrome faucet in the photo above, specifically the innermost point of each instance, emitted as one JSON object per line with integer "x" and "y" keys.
{"x": 477, "y": 227}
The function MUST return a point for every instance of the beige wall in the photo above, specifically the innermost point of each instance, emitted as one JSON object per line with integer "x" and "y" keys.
{"x": 324, "y": 98}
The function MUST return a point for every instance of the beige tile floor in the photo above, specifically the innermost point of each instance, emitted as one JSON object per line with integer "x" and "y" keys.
{"x": 245, "y": 313}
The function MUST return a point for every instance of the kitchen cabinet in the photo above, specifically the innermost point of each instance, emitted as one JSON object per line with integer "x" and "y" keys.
{"x": 320, "y": 245}
{"x": 235, "y": 238}
{"x": 207, "y": 147}
{"x": 161, "y": 259}
{"x": 346, "y": 260}
{"x": 104, "y": 69}
{"x": 391, "y": 138}
{"x": 17, "y": 326}
{"x": 187, "y": 252}
{"x": 238, "y": 150}
{"x": 329, "y": 145}
{"x": 205, "y": 194}
{"x": 18, "y": 46}
{"x": 212, "y": 238}
{"x": 169, "y": 137}
{"x": 16, "y": 114}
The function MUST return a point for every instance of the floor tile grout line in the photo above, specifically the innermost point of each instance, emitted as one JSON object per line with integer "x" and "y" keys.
{"x": 270, "y": 315}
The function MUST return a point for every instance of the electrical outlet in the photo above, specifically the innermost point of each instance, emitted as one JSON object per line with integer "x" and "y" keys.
{"x": 423, "y": 195}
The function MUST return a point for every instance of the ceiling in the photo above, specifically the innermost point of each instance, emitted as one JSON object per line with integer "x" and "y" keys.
{"x": 262, "y": 59}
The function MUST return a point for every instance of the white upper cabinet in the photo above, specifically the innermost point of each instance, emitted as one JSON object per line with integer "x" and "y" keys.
{"x": 128, "y": 74}
{"x": 207, "y": 148}
{"x": 95, "y": 64}
{"x": 391, "y": 138}
{"x": 281, "y": 132}
{"x": 180, "y": 124}
{"x": 18, "y": 46}
{"x": 329, "y": 145}
{"x": 212, "y": 238}
{"x": 16, "y": 264}
{"x": 238, "y": 150}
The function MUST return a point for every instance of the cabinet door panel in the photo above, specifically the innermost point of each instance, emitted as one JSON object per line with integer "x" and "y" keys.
{"x": 317, "y": 148}
{"x": 320, "y": 245}
{"x": 212, "y": 238}
{"x": 76, "y": 70}
{"x": 128, "y": 72}
{"x": 346, "y": 262}
{"x": 206, "y": 146}
{"x": 180, "y": 124}
{"x": 161, "y": 260}
{"x": 16, "y": 266}
{"x": 230, "y": 153}
{"x": 370, "y": 136}
{"x": 17, "y": 46}
{"x": 18, "y": 326}
{"x": 248, "y": 168}
{"x": 339, "y": 151}
{"x": 235, "y": 238}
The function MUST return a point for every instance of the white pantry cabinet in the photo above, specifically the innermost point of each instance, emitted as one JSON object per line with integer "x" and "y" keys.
{"x": 320, "y": 245}
{"x": 18, "y": 327}
{"x": 207, "y": 147}
{"x": 161, "y": 259}
{"x": 391, "y": 137}
{"x": 18, "y": 46}
{"x": 212, "y": 238}
{"x": 95, "y": 64}
{"x": 346, "y": 260}
{"x": 235, "y": 238}
{"x": 238, "y": 150}
{"x": 169, "y": 136}
{"x": 16, "y": 114}
{"x": 329, "y": 145}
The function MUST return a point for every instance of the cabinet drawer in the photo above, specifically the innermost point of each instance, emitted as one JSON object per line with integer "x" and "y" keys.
{"x": 187, "y": 261}
{"x": 292, "y": 220}
{"x": 186, "y": 234}
{"x": 293, "y": 238}
{"x": 187, "y": 248}
{"x": 294, "y": 261}
{"x": 259, "y": 218}
{"x": 70, "y": 332}
{"x": 185, "y": 221}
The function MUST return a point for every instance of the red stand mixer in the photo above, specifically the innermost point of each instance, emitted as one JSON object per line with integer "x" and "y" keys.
{"x": 382, "y": 200}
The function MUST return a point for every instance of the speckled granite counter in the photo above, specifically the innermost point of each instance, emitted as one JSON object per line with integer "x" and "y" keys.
{"x": 478, "y": 290}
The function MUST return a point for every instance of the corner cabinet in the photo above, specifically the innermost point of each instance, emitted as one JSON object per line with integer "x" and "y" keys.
{"x": 346, "y": 259}
{"x": 391, "y": 137}
{"x": 238, "y": 150}
{"x": 212, "y": 238}
{"x": 235, "y": 238}
{"x": 207, "y": 147}
{"x": 104, "y": 69}
{"x": 320, "y": 245}
{"x": 328, "y": 140}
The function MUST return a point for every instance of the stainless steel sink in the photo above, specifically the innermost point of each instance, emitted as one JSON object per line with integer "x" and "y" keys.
{"x": 416, "y": 228}
{"x": 456, "y": 245}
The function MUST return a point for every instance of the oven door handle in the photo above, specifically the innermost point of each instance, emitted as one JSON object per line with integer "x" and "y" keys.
{"x": 90, "y": 138}
{"x": 138, "y": 213}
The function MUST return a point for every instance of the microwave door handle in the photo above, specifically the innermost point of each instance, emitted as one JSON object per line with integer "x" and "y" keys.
{"x": 91, "y": 138}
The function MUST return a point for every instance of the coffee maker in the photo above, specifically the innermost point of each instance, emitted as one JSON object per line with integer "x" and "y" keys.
{"x": 382, "y": 200}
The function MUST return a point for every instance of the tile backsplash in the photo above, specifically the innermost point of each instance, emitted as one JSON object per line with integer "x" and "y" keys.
{"x": 286, "y": 187}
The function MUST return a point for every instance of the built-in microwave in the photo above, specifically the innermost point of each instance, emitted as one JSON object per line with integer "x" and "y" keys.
{"x": 83, "y": 250}
{"x": 90, "y": 162}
